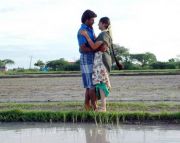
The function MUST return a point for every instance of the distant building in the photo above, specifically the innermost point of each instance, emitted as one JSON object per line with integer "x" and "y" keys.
{"x": 3, "y": 68}
{"x": 44, "y": 69}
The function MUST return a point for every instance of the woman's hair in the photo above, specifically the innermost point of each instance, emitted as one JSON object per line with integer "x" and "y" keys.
{"x": 88, "y": 14}
{"x": 106, "y": 21}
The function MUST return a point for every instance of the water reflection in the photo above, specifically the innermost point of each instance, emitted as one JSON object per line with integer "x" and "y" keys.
{"x": 96, "y": 135}
{"x": 87, "y": 133}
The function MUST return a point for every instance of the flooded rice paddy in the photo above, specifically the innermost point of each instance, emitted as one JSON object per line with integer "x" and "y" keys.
{"x": 87, "y": 133}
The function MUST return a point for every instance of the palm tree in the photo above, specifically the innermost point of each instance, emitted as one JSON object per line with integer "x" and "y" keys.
{"x": 6, "y": 62}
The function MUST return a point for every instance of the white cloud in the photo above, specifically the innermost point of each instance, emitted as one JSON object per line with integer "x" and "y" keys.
{"x": 153, "y": 28}
{"x": 47, "y": 28}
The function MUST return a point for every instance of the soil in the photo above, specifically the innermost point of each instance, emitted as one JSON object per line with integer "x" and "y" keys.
{"x": 124, "y": 88}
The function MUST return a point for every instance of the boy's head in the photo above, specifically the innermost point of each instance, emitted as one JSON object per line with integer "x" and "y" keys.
{"x": 88, "y": 17}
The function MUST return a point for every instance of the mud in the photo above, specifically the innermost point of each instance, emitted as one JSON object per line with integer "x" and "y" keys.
{"x": 124, "y": 88}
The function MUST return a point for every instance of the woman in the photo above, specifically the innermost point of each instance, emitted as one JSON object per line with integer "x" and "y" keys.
{"x": 102, "y": 60}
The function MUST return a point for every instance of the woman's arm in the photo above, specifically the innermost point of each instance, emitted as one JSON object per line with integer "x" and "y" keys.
{"x": 93, "y": 45}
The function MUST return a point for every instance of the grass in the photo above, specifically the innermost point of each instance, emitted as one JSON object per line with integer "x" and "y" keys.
{"x": 74, "y": 112}
{"x": 82, "y": 116}
{"x": 128, "y": 72}
{"x": 78, "y": 106}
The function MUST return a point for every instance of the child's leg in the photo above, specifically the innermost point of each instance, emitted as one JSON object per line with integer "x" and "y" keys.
{"x": 103, "y": 101}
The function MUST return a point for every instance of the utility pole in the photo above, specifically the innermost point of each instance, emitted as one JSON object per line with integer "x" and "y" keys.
{"x": 30, "y": 62}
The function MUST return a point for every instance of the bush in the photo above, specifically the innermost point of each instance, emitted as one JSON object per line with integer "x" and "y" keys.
{"x": 131, "y": 66}
{"x": 163, "y": 65}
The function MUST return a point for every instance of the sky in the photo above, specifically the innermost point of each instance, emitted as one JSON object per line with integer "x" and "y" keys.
{"x": 47, "y": 29}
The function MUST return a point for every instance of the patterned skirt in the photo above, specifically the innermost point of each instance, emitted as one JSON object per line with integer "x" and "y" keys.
{"x": 100, "y": 73}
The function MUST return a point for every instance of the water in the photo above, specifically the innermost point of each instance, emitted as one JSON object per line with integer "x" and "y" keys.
{"x": 87, "y": 133}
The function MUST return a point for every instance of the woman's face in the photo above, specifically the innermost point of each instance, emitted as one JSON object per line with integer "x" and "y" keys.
{"x": 101, "y": 25}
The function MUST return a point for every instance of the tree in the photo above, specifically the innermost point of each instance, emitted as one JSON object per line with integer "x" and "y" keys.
{"x": 163, "y": 65}
{"x": 172, "y": 60}
{"x": 73, "y": 66}
{"x": 57, "y": 65}
{"x": 40, "y": 64}
{"x": 175, "y": 61}
{"x": 144, "y": 59}
{"x": 1, "y": 63}
{"x": 6, "y": 62}
{"x": 121, "y": 52}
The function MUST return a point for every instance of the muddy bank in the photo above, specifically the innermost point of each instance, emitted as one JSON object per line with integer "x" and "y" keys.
{"x": 124, "y": 88}
{"x": 78, "y": 74}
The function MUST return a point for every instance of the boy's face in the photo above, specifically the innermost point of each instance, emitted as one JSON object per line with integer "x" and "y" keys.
{"x": 90, "y": 22}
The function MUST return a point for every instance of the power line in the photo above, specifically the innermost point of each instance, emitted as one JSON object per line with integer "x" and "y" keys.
{"x": 30, "y": 62}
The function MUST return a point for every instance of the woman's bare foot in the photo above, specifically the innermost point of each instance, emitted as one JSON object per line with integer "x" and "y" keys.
{"x": 100, "y": 110}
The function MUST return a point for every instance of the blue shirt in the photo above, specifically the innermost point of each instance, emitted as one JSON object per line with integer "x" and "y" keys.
{"x": 81, "y": 39}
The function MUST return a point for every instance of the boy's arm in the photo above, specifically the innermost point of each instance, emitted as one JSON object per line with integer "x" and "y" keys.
{"x": 103, "y": 47}
{"x": 93, "y": 45}
{"x": 82, "y": 44}
{"x": 85, "y": 49}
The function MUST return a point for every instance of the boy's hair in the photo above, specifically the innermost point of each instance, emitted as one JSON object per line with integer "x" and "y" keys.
{"x": 88, "y": 14}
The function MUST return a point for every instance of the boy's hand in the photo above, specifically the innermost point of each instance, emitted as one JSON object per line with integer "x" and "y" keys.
{"x": 103, "y": 48}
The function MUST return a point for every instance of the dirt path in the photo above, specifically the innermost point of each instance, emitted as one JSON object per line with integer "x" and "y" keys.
{"x": 160, "y": 87}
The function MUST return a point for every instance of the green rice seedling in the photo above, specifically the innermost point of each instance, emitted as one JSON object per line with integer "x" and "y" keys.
{"x": 106, "y": 118}
{"x": 117, "y": 119}
{"x": 97, "y": 118}
{"x": 83, "y": 117}
{"x": 64, "y": 117}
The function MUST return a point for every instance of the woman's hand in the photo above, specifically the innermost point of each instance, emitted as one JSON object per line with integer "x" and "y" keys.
{"x": 84, "y": 33}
